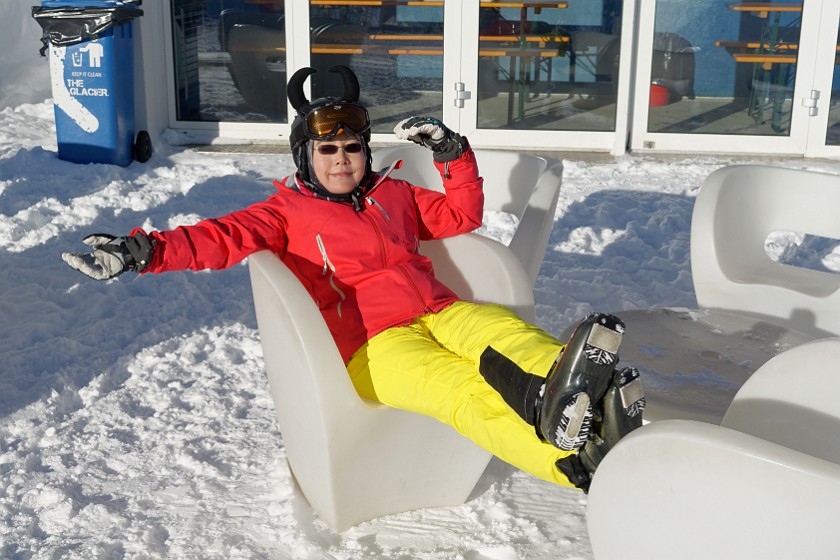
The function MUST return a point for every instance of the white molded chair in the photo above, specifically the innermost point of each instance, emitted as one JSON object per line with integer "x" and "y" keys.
{"x": 764, "y": 484}
{"x": 750, "y": 307}
{"x": 354, "y": 459}
{"x": 737, "y": 208}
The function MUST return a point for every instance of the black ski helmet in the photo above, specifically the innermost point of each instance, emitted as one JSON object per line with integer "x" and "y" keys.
{"x": 300, "y": 136}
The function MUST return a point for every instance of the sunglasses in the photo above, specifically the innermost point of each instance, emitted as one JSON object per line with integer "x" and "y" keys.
{"x": 330, "y": 149}
{"x": 327, "y": 121}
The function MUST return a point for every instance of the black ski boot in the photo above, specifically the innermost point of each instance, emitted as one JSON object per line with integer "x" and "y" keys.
{"x": 619, "y": 414}
{"x": 579, "y": 379}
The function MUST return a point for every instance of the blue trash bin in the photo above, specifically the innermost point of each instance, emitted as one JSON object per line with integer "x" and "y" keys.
{"x": 92, "y": 74}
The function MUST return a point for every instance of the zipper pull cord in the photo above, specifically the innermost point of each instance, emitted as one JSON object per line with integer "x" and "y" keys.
{"x": 356, "y": 204}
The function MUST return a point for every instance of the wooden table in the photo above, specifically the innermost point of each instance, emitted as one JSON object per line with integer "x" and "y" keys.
{"x": 501, "y": 51}
{"x": 764, "y": 9}
{"x": 771, "y": 58}
{"x": 520, "y": 85}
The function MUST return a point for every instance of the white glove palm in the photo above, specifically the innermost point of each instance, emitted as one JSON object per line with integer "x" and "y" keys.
{"x": 433, "y": 134}
{"x": 111, "y": 256}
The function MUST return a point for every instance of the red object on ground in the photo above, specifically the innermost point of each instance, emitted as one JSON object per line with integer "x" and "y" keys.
{"x": 659, "y": 95}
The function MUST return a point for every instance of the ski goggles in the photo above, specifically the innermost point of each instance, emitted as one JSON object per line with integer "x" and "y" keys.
{"x": 323, "y": 123}
{"x": 331, "y": 149}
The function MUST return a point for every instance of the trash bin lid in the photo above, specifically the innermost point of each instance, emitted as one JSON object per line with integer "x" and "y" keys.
{"x": 65, "y": 23}
{"x": 88, "y": 4}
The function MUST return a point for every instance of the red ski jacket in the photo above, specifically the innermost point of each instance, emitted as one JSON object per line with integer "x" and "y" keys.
{"x": 363, "y": 269}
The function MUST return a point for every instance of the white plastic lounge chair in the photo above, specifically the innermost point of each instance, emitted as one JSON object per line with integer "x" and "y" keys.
{"x": 750, "y": 306}
{"x": 764, "y": 484}
{"x": 737, "y": 208}
{"x": 354, "y": 459}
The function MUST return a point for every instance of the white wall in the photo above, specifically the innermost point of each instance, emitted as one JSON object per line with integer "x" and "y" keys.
{"x": 150, "y": 70}
{"x": 24, "y": 74}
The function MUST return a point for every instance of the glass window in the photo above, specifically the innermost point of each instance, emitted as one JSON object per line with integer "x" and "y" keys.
{"x": 723, "y": 67}
{"x": 395, "y": 49}
{"x": 229, "y": 60}
{"x": 549, "y": 65}
{"x": 832, "y": 137}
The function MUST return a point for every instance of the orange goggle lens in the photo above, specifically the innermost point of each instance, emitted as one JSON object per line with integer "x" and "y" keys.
{"x": 327, "y": 121}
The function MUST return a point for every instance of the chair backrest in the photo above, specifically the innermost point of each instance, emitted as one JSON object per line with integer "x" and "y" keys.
{"x": 523, "y": 185}
{"x": 255, "y": 66}
{"x": 735, "y": 211}
{"x": 596, "y": 53}
{"x": 509, "y": 177}
{"x": 230, "y": 17}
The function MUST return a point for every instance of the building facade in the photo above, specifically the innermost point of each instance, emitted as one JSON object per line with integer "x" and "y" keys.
{"x": 712, "y": 76}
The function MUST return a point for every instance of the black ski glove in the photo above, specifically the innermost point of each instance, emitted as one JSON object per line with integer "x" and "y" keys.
{"x": 430, "y": 132}
{"x": 111, "y": 255}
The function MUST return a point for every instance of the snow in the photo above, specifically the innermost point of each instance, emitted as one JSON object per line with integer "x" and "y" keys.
{"x": 134, "y": 416}
{"x": 135, "y": 420}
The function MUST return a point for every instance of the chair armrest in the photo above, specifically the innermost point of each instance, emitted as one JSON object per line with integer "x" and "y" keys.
{"x": 288, "y": 317}
{"x": 530, "y": 240}
{"x": 695, "y": 491}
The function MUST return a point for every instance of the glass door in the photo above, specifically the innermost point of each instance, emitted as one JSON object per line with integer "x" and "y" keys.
{"x": 229, "y": 61}
{"x": 395, "y": 48}
{"x": 515, "y": 74}
{"x": 726, "y": 76}
{"x": 232, "y": 58}
{"x": 823, "y": 99}
{"x": 548, "y": 74}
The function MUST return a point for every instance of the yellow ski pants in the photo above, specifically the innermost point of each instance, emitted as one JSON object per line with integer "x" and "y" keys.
{"x": 431, "y": 367}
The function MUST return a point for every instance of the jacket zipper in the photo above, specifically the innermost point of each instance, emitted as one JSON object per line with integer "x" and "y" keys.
{"x": 328, "y": 266}
{"x": 381, "y": 208}
{"x": 381, "y": 239}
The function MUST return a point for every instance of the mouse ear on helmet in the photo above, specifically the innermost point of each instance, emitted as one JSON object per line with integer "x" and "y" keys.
{"x": 294, "y": 90}
{"x": 351, "y": 83}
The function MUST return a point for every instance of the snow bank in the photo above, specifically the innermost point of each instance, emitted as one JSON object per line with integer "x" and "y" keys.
{"x": 134, "y": 416}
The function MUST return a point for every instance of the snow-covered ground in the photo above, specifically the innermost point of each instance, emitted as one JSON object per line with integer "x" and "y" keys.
{"x": 134, "y": 416}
